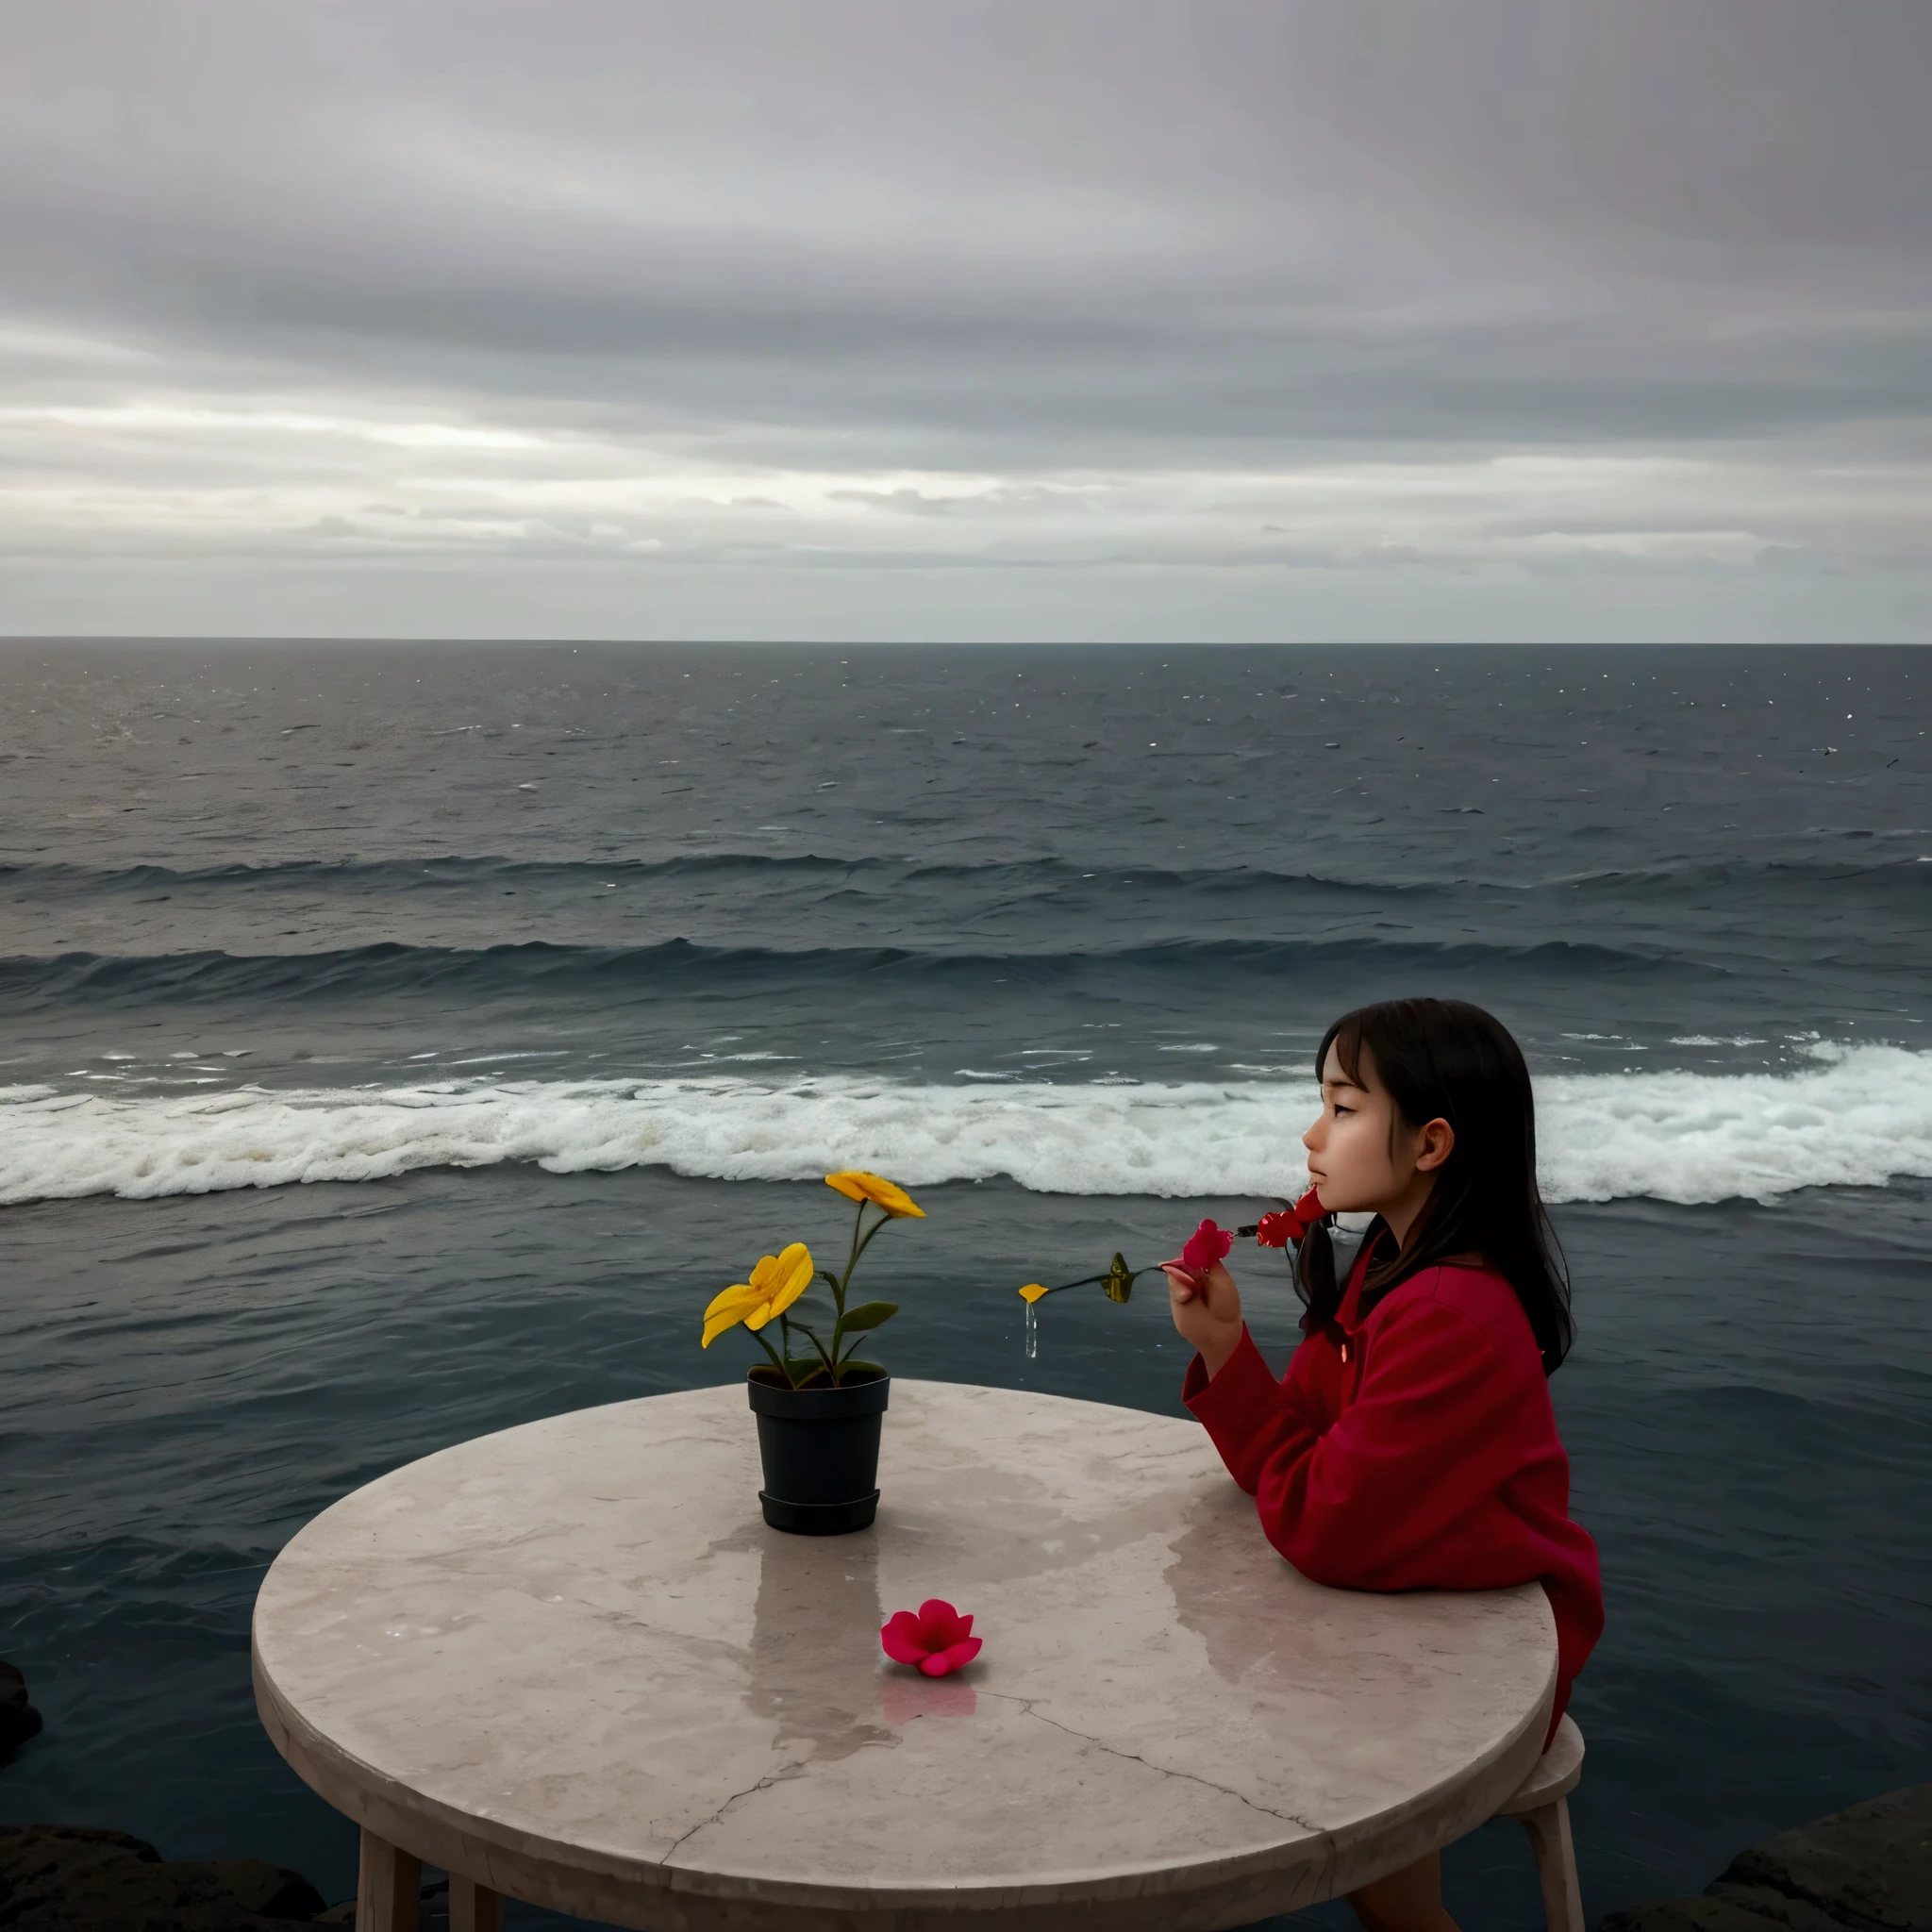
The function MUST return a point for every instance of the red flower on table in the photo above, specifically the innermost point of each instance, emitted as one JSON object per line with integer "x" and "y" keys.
{"x": 935, "y": 1638}
{"x": 1207, "y": 1246}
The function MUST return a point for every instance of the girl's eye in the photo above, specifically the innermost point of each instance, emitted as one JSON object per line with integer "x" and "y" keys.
{"x": 1339, "y": 1108}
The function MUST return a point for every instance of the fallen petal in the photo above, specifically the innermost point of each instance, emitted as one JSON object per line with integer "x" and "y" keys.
{"x": 902, "y": 1640}
{"x": 939, "y": 1624}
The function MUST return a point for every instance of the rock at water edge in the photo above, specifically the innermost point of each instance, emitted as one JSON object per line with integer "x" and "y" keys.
{"x": 75, "y": 1878}
{"x": 1866, "y": 1869}
{"x": 19, "y": 1719}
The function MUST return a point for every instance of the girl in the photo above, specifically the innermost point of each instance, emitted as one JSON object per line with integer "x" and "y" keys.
{"x": 1411, "y": 1443}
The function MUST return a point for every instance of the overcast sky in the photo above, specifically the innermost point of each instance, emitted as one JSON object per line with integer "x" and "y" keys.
{"x": 1008, "y": 318}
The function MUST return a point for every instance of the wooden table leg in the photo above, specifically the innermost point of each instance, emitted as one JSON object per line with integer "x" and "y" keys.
{"x": 389, "y": 1893}
{"x": 1548, "y": 1827}
{"x": 472, "y": 1908}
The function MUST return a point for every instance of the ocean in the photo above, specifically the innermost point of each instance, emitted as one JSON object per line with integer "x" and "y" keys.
{"x": 401, "y": 1042}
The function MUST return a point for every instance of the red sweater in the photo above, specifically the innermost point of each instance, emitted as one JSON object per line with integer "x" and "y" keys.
{"x": 1413, "y": 1450}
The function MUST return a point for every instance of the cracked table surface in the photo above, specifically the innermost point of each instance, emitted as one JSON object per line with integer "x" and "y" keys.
{"x": 571, "y": 1661}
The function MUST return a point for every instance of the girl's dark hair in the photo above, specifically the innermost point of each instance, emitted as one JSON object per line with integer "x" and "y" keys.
{"x": 1447, "y": 1060}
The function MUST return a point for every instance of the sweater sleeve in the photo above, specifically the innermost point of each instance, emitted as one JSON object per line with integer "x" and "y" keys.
{"x": 1251, "y": 1417}
{"x": 1433, "y": 1432}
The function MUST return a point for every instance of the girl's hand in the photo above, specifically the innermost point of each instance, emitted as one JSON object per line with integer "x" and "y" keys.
{"x": 1206, "y": 1309}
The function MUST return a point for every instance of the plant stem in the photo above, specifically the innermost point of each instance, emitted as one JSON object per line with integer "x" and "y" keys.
{"x": 831, "y": 1367}
{"x": 861, "y": 1246}
{"x": 840, "y": 1291}
{"x": 857, "y": 1249}
{"x": 776, "y": 1361}
{"x": 1085, "y": 1281}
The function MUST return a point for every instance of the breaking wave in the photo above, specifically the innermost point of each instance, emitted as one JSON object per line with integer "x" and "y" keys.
{"x": 1859, "y": 1116}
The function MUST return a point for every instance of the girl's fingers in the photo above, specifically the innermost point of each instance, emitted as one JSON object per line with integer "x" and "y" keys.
{"x": 1182, "y": 1285}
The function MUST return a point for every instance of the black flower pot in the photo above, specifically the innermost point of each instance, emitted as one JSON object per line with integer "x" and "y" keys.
{"x": 819, "y": 1447}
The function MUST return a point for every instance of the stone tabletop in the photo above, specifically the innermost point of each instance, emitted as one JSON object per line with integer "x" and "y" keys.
{"x": 572, "y": 1662}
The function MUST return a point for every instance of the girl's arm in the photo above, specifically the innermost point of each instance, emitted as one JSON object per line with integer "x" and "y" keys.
{"x": 1253, "y": 1419}
{"x": 1207, "y": 1311}
{"x": 1435, "y": 1428}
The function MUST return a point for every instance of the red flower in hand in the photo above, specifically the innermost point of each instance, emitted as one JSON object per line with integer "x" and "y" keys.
{"x": 935, "y": 1637}
{"x": 1207, "y": 1246}
{"x": 1277, "y": 1230}
{"x": 1291, "y": 1225}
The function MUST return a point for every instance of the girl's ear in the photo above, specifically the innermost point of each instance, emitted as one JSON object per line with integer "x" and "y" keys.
{"x": 1434, "y": 1144}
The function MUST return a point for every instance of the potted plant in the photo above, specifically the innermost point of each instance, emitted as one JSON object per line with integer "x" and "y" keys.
{"x": 818, "y": 1405}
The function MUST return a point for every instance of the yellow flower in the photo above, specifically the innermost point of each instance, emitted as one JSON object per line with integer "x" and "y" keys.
{"x": 1032, "y": 1291}
{"x": 858, "y": 1186}
{"x": 775, "y": 1282}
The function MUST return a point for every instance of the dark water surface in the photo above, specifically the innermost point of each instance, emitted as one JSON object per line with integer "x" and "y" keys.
{"x": 560, "y": 976}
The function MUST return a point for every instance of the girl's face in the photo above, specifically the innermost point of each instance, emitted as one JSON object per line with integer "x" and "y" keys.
{"x": 1364, "y": 1157}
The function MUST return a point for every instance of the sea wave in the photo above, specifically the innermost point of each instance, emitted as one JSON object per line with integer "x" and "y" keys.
{"x": 1890, "y": 859}
{"x": 1857, "y": 1116}
{"x": 600, "y": 974}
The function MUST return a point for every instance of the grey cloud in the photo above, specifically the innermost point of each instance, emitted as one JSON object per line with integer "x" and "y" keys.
{"x": 1255, "y": 220}
{"x": 1014, "y": 241}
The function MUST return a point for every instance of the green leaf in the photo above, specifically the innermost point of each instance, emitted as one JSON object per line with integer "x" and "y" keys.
{"x": 870, "y": 1315}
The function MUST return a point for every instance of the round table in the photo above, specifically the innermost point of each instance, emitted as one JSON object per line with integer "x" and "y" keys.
{"x": 569, "y": 1663}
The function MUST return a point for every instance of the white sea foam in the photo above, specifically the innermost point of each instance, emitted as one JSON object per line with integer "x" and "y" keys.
{"x": 1857, "y": 1116}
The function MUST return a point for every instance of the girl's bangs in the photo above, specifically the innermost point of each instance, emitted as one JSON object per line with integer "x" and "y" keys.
{"x": 1345, "y": 1037}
